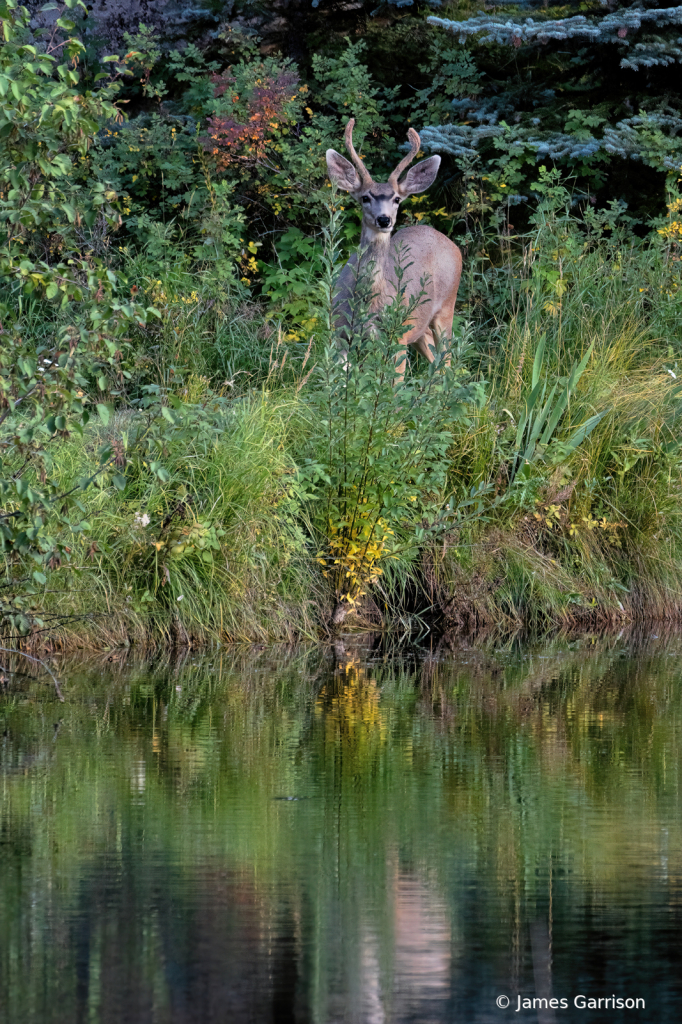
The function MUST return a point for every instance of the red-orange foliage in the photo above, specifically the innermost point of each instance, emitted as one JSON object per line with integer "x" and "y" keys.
{"x": 242, "y": 137}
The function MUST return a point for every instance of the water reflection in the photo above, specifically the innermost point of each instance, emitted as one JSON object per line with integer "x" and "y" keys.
{"x": 422, "y": 950}
{"x": 344, "y": 837}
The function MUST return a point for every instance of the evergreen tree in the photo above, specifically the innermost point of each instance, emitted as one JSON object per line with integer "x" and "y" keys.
{"x": 585, "y": 91}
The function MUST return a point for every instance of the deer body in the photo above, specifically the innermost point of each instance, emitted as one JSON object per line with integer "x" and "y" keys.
{"x": 431, "y": 263}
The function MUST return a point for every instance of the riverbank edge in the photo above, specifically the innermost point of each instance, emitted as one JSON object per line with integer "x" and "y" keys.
{"x": 471, "y": 603}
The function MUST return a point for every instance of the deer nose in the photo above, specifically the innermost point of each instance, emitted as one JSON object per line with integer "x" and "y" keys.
{"x": 383, "y": 221}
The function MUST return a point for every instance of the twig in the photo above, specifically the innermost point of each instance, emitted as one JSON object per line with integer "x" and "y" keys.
{"x": 11, "y": 650}
{"x": 65, "y": 494}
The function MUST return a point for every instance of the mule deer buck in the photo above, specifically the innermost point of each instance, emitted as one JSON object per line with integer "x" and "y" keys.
{"x": 435, "y": 263}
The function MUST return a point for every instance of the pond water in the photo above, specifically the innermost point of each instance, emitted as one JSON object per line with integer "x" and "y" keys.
{"x": 345, "y": 837}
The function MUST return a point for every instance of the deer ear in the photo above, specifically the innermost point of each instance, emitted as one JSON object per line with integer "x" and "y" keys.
{"x": 419, "y": 177}
{"x": 342, "y": 172}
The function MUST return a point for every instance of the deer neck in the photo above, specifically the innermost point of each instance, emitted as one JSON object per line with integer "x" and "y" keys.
{"x": 375, "y": 247}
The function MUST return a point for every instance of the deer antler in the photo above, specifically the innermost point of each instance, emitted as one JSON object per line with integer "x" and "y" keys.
{"x": 414, "y": 149}
{"x": 365, "y": 176}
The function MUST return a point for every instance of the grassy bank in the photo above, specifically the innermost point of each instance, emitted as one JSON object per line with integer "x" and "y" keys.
{"x": 233, "y": 540}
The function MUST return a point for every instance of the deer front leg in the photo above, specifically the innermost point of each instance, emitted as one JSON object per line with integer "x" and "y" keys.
{"x": 421, "y": 337}
{"x": 421, "y": 344}
{"x": 400, "y": 364}
{"x": 433, "y": 340}
{"x": 426, "y": 344}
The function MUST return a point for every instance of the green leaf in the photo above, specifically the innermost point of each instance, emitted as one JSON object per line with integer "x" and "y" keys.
{"x": 537, "y": 362}
{"x": 119, "y": 482}
{"x": 159, "y": 471}
{"x": 577, "y": 371}
{"x": 104, "y": 413}
{"x": 584, "y": 430}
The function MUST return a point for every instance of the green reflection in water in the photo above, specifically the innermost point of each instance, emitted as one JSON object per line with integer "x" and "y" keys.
{"x": 308, "y": 838}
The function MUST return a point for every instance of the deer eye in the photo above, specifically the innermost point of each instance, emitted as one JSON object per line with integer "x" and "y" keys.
{"x": 366, "y": 199}
{"x": 397, "y": 199}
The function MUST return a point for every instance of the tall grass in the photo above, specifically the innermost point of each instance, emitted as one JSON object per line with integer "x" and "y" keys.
{"x": 600, "y": 534}
{"x": 148, "y": 571}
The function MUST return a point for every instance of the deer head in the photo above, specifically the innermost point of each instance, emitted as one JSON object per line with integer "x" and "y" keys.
{"x": 380, "y": 201}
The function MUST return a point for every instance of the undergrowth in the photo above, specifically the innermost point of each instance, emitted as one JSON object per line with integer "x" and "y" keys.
{"x": 228, "y": 546}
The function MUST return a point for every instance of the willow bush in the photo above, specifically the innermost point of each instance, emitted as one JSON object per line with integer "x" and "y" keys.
{"x": 381, "y": 472}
